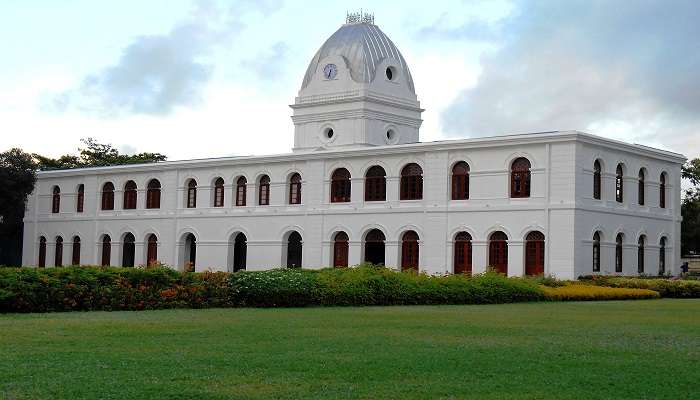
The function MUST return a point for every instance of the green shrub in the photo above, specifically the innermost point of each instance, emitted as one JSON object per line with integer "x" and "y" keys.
{"x": 103, "y": 288}
{"x": 674, "y": 288}
{"x": 580, "y": 292}
{"x": 371, "y": 285}
{"x": 97, "y": 288}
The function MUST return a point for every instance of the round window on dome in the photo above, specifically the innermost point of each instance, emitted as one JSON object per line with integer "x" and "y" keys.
{"x": 390, "y": 135}
{"x": 390, "y": 73}
{"x": 328, "y": 134}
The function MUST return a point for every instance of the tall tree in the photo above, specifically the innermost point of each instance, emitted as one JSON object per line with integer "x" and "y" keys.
{"x": 690, "y": 209}
{"x": 17, "y": 179}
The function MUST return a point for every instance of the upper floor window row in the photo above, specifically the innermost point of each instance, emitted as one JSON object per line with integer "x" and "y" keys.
{"x": 620, "y": 184}
{"x": 410, "y": 188}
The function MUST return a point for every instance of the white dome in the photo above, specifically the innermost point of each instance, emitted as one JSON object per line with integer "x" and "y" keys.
{"x": 364, "y": 46}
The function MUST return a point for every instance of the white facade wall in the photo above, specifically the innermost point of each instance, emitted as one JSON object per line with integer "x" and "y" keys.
{"x": 560, "y": 206}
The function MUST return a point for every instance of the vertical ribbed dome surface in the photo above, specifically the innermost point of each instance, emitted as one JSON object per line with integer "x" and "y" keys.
{"x": 364, "y": 46}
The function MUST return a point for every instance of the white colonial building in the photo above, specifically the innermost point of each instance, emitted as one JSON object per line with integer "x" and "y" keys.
{"x": 360, "y": 186}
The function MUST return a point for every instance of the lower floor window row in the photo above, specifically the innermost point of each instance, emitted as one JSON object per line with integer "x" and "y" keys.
{"x": 373, "y": 251}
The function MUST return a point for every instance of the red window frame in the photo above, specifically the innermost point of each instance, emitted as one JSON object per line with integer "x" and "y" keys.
{"x": 107, "y": 196}
{"x": 520, "y": 178}
{"x": 153, "y": 194}
{"x": 341, "y": 186}
{"x": 375, "y": 184}
{"x": 295, "y": 189}
{"x": 241, "y": 184}
{"x": 264, "y": 191}
{"x": 130, "y": 195}
{"x": 219, "y": 192}
{"x": 411, "y": 182}
{"x": 460, "y": 181}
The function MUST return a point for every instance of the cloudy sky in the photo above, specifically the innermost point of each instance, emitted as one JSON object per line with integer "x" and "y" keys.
{"x": 198, "y": 79}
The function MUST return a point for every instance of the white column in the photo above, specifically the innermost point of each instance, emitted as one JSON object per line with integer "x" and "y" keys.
{"x": 391, "y": 254}
{"x": 479, "y": 256}
{"x": 354, "y": 252}
{"x": 516, "y": 258}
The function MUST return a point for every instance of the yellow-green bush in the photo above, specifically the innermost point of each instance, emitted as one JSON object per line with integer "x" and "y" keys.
{"x": 674, "y": 288}
{"x": 576, "y": 292}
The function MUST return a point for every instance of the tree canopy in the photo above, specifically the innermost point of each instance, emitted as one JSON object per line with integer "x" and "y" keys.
{"x": 95, "y": 154}
{"x": 690, "y": 209}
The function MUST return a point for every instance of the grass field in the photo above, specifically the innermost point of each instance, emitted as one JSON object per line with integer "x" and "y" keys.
{"x": 591, "y": 350}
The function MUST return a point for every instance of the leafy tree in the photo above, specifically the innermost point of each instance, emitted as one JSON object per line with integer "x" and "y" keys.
{"x": 690, "y": 208}
{"x": 17, "y": 179}
{"x": 95, "y": 154}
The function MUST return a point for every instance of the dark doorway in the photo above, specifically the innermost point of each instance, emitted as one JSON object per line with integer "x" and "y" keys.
{"x": 534, "y": 253}
{"x": 128, "y": 250}
{"x": 240, "y": 249}
{"x": 190, "y": 252}
{"x": 340, "y": 250}
{"x": 463, "y": 253}
{"x": 294, "y": 250}
{"x": 498, "y": 252}
{"x": 409, "y": 251}
{"x": 374, "y": 247}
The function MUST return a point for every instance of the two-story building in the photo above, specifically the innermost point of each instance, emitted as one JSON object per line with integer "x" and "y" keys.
{"x": 360, "y": 186}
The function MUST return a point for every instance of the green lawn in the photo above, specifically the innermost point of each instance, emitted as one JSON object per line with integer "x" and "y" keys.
{"x": 594, "y": 350}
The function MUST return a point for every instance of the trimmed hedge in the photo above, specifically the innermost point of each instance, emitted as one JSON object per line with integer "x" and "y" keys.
{"x": 673, "y": 288}
{"x": 108, "y": 289}
{"x": 578, "y": 292}
{"x": 368, "y": 285}
{"x": 111, "y": 289}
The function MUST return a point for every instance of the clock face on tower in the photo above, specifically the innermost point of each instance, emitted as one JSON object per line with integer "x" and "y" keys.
{"x": 330, "y": 71}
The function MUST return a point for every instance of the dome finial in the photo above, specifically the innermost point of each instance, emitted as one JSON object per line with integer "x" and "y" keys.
{"x": 359, "y": 18}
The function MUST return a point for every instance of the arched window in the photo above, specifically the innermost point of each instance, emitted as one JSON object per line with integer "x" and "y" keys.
{"x": 463, "y": 253}
{"x": 596, "y": 252}
{"x": 192, "y": 193}
{"x": 375, "y": 184}
{"x": 294, "y": 250}
{"x": 42, "y": 252}
{"x": 409, "y": 251}
{"x": 411, "y": 182}
{"x": 80, "y": 200}
{"x": 597, "y": 177}
{"x": 460, "y": 181}
{"x": 152, "y": 250}
{"x": 662, "y": 256}
{"x": 130, "y": 195}
{"x": 520, "y": 178}
{"x": 264, "y": 191}
{"x": 128, "y": 250}
{"x": 219, "y": 192}
{"x": 340, "y": 186}
{"x": 106, "y": 258}
{"x": 662, "y": 190}
{"x": 58, "y": 259}
{"x": 295, "y": 189}
{"x": 240, "y": 191}
{"x": 240, "y": 251}
{"x": 108, "y": 196}
{"x": 75, "y": 259}
{"x": 374, "y": 247}
{"x": 153, "y": 194}
{"x": 618, "y": 252}
{"x": 498, "y": 252}
{"x": 56, "y": 200}
{"x": 534, "y": 253}
{"x": 640, "y": 189}
{"x": 340, "y": 249}
{"x": 619, "y": 184}
{"x": 640, "y": 254}
{"x": 190, "y": 253}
